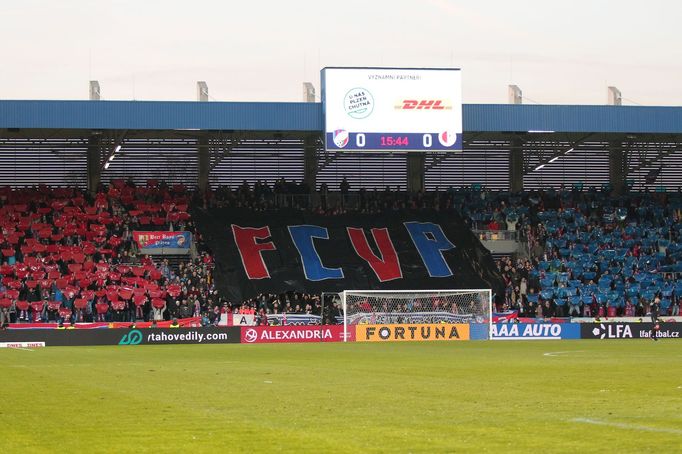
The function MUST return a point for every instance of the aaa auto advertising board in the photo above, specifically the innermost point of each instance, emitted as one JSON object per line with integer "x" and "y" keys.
{"x": 535, "y": 331}
{"x": 629, "y": 330}
{"x": 284, "y": 334}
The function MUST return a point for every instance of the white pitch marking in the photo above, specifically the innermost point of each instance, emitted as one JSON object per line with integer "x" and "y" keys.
{"x": 23, "y": 348}
{"x": 561, "y": 353}
{"x": 620, "y": 425}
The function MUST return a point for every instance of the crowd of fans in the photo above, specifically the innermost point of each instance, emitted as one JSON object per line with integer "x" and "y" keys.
{"x": 71, "y": 256}
{"x": 590, "y": 255}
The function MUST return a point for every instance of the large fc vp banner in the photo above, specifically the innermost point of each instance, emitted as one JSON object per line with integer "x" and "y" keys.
{"x": 307, "y": 253}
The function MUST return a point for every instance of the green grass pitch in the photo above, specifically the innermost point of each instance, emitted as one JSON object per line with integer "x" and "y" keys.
{"x": 538, "y": 396}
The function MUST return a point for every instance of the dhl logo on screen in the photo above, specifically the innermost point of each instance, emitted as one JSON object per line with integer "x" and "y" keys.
{"x": 411, "y": 332}
{"x": 423, "y": 104}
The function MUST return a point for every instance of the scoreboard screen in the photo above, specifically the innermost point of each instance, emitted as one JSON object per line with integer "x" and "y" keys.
{"x": 392, "y": 109}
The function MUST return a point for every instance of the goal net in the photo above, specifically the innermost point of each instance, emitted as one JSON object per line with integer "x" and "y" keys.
{"x": 418, "y": 307}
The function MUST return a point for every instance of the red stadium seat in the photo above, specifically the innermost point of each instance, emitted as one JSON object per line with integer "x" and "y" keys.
{"x": 32, "y": 262}
{"x": 88, "y": 265}
{"x": 174, "y": 290}
{"x": 62, "y": 282}
{"x": 64, "y": 312}
{"x": 102, "y": 308}
{"x": 88, "y": 294}
{"x": 112, "y": 295}
{"x": 102, "y": 267}
{"x": 139, "y": 300}
{"x": 75, "y": 267}
{"x": 71, "y": 291}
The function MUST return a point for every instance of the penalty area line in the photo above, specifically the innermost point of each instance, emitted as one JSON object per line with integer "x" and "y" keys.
{"x": 562, "y": 353}
{"x": 619, "y": 425}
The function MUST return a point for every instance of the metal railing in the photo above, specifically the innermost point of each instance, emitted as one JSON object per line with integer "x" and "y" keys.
{"x": 497, "y": 235}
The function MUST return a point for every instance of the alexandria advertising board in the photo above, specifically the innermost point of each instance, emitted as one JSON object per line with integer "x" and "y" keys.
{"x": 288, "y": 334}
{"x": 376, "y": 109}
{"x": 535, "y": 331}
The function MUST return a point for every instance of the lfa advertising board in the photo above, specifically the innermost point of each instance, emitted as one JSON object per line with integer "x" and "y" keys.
{"x": 392, "y": 109}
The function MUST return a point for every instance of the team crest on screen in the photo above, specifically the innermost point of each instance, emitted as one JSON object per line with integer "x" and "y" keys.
{"x": 447, "y": 138}
{"x": 340, "y": 138}
{"x": 358, "y": 103}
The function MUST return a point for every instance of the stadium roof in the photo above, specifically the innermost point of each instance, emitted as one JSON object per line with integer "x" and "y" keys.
{"x": 307, "y": 117}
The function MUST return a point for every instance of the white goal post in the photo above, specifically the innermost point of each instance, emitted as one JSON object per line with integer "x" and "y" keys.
{"x": 388, "y": 307}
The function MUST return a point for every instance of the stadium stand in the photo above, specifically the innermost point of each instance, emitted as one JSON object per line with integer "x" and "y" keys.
{"x": 68, "y": 256}
{"x": 594, "y": 256}
{"x": 586, "y": 255}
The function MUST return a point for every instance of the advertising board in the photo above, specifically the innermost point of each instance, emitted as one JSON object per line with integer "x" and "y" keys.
{"x": 411, "y": 332}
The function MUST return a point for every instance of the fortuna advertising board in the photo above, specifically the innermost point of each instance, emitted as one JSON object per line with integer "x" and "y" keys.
{"x": 412, "y": 332}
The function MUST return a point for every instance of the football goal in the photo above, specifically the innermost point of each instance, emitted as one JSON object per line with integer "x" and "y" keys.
{"x": 417, "y": 307}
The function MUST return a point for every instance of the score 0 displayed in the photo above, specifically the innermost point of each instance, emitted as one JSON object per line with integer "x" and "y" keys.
{"x": 376, "y": 109}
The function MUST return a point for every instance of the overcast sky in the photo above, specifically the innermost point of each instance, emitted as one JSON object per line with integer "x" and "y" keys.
{"x": 564, "y": 52}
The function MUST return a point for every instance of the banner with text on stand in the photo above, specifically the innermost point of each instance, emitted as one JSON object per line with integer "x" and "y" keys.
{"x": 161, "y": 242}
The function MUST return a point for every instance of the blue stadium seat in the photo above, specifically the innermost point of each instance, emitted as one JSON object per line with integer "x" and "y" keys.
{"x": 533, "y": 297}
{"x": 547, "y": 293}
{"x": 589, "y": 275}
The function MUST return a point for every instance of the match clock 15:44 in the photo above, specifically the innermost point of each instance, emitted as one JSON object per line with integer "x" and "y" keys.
{"x": 394, "y": 141}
